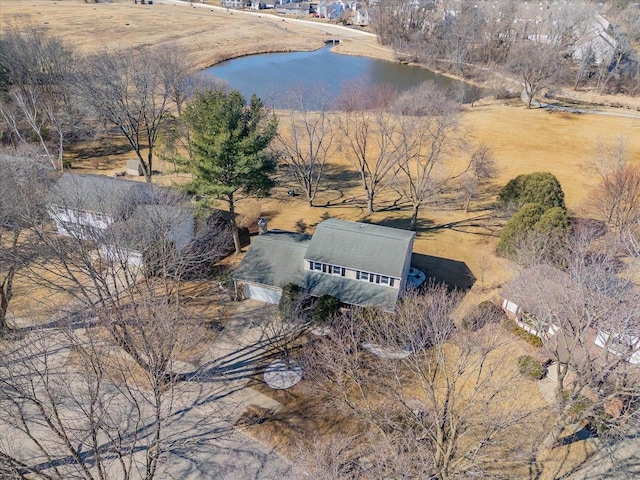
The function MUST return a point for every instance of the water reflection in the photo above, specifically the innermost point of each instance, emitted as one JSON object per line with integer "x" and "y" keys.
{"x": 320, "y": 74}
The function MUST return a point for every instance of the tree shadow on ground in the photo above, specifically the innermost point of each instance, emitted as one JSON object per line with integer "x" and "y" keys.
{"x": 98, "y": 151}
{"x": 487, "y": 225}
{"x": 453, "y": 273}
{"x": 340, "y": 178}
{"x": 423, "y": 224}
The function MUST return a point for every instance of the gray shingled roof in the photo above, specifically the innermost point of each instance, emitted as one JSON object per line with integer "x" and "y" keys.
{"x": 360, "y": 246}
{"x": 148, "y": 223}
{"x": 97, "y": 193}
{"x": 277, "y": 258}
{"x": 353, "y": 292}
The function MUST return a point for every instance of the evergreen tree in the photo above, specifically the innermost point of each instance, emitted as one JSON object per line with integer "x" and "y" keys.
{"x": 229, "y": 146}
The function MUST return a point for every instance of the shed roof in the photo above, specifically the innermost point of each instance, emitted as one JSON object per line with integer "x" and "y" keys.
{"x": 361, "y": 246}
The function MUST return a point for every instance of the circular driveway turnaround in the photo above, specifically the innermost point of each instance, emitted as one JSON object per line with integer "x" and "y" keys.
{"x": 279, "y": 375}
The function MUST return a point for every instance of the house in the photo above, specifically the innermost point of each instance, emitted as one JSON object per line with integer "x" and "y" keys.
{"x": 129, "y": 240}
{"x": 126, "y": 218}
{"x": 298, "y": 9}
{"x": 330, "y": 10}
{"x": 234, "y": 3}
{"x": 540, "y": 299}
{"x": 594, "y": 42}
{"x": 85, "y": 206}
{"x": 358, "y": 263}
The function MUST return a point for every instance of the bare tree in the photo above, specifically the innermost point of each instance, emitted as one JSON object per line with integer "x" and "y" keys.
{"x": 147, "y": 249}
{"x": 434, "y": 411}
{"x": 40, "y": 101}
{"x": 23, "y": 184}
{"x": 306, "y": 139}
{"x": 131, "y": 90}
{"x": 368, "y": 132}
{"x": 426, "y": 136}
{"x": 616, "y": 199}
{"x": 537, "y": 65}
{"x": 76, "y": 406}
{"x": 591, "y": 322}
{"x": 482, "y": 170}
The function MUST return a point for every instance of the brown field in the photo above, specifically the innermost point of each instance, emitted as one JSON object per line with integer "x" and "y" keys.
{"x": 209, "y": 37}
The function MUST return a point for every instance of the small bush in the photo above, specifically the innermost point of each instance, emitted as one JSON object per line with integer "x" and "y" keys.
{"x": 326, "y": 307}
{"x": 530, "y": 338}
{"x": 485, "y": 313}
{"x": 530, "y": 367}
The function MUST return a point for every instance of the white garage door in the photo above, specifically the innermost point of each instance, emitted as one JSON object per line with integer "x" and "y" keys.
{"x": 267, "y": 295}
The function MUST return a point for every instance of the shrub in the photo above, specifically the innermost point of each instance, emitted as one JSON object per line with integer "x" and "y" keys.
{"x": 540, "y": 187}
{"x": 530, "y": 367}
{"x": 518, "y": 226}
{"x": 530, "y": 338}
{"x": 326, "y": 307}
{"x": 485, "y": 313}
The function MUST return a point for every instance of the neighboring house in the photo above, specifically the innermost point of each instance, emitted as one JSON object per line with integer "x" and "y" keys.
{"x": 126, "y": 218}
{"x": 233, "y": 3}
{"x": 298, "y": 9}
{"x": 86, "y": 205}
{"x": 330, "y": 10}
{"x": 594, "y": 42}
{"x": 358, "y": 263}
{"x": 131, "y": 239}
{"x": 544, "y": 292}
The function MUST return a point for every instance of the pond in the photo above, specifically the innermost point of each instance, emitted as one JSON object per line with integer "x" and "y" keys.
{"x": 319, "y": 74}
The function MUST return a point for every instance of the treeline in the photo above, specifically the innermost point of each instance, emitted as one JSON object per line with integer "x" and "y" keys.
{"x": 464, "y": 37}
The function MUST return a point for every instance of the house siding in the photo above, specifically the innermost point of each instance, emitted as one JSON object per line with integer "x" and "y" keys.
{"x": 352, "y": 274}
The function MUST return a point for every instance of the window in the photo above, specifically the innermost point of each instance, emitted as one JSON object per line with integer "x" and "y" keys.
{"x": 366, "y": 277}
{"x": 316, "y": 266}
{"x": 336, "y": 270}
{"x": 385, "y": 280}
{"x": 58, "y": 210}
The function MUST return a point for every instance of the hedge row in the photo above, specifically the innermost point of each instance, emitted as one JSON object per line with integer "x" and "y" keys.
{"x": 530, "y": 338}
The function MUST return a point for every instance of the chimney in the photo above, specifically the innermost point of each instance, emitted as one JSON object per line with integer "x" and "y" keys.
{"x": 262, "y": 225}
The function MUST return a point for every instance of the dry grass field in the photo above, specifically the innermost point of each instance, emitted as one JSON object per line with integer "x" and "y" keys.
{"x": 208, "y": 36}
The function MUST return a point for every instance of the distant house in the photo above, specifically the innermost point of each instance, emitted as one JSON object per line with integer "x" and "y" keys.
{"x": 594, "y": 42}
{"x": 358, "y": 263}
{"x": 234, "y": 3}
{"x": 298, "y": 9}
{"x": 330, "y": 10}
{"x": 541, "y": 294}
